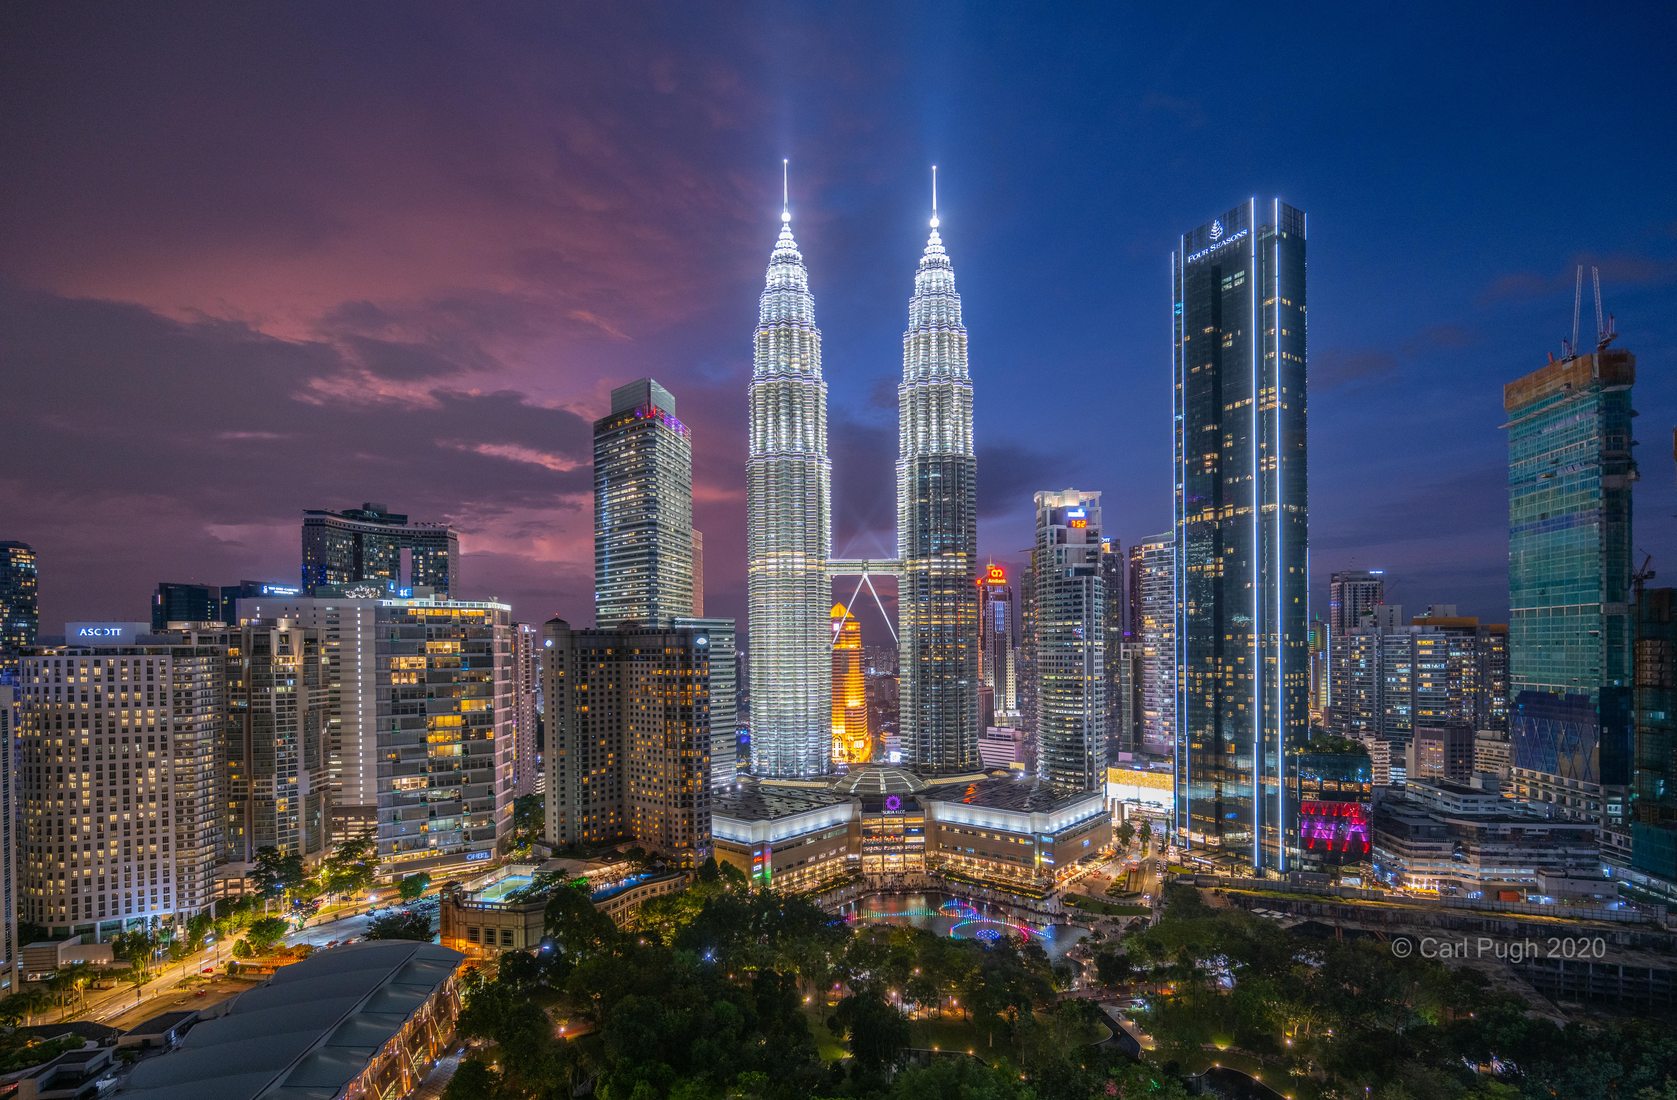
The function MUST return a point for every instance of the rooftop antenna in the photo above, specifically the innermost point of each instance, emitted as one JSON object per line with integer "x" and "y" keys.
{"x": 934, "y": 197}
{"x": 786, "y": 193}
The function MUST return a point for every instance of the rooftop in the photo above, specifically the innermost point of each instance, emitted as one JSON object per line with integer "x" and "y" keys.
{"x": 1019, "y": 795}
{"x": 307, "y": 1032}
{"x": 759, "y": 803}
{"x": 878, "y": 780}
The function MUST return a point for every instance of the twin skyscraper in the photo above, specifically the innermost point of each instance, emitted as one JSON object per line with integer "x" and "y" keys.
{"x": 791, "y": 566}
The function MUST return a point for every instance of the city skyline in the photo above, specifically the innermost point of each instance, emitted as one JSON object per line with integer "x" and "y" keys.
{"x": 472, "y": 383}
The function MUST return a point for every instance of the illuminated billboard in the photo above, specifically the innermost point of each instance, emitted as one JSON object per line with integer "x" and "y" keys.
{"x": 1336, "y": 832}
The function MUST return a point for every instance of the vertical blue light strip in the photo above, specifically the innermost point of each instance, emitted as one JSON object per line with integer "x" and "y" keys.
{"x": 1253, "y": 338}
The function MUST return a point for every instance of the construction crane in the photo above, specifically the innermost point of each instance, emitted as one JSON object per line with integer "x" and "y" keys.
{"x": 1639, "y": 579}
{"x": 1604, "y": 327}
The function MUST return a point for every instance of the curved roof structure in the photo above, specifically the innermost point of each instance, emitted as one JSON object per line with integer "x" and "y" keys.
{"x": 878, "y": 780}
{"x": 305, "y": 1033}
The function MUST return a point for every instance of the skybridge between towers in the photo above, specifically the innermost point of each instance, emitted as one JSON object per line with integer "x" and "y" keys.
{"x": 864, "y": 569}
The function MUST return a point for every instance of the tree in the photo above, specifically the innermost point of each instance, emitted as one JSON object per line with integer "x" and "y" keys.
{"x": 351, "y": 866}
{"x": 875, "y": 1031}
{"x": 473, "y": 1081}
{"x": 1146, "y": 835}
{"x": 400, "y": 926}
{"x": 528, "y": 820}
{"x": 137, "y": 947}
{"x": 19, "y": 1007}
{"x": 1126, "y": 833}
{"x": 413, "y": 887}
{"x": 274, "y": 874}
{"x": 264, "y": 935}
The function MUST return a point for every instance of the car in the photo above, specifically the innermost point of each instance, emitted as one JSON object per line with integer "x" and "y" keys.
{"x": 207, "y": 970}
{"x": 199, "y": 993}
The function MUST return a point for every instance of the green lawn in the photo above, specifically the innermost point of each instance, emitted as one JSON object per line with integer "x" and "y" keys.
{"x": 829, "y": 1046}
{"x": 1105, "y": 908}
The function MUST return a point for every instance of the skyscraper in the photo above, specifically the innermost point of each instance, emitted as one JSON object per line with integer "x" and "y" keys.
{"x": 789, "y": 538}
{"x": 371, "y": 543}
{"x": 420, "y": 748}
{"x": 937, "y": 524}
{"x": 1242, "y": 530}
{"x": 1654, "y": 805}
{"x": 276, "y": 754}
{"x": 999, "y": 667}
{"x": 1352, "y": 593}
{"x": 1570, "y": 471}
{"x": 852, "y": 744}
{"x": 20, "y": 607}
{"x": 1154, "y": 567}
{"x": 1070, "y": 640}
{"x": 526, "y": 683}
{"x": 724, "y": 696}
{"x": 1114, "y": 574}
{"x": 643, "y": 509}
{"x": 122, "y": 794}
{"x": 629, "y": 736}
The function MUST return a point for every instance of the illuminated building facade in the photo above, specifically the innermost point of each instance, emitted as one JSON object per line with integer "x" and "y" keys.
{"x": 275, "y": 750}
{"x": 1242, "y": 528}
{"x": 628, "y": 753}
{"x": 1153, "y": 569}
{"x": 526, "y": 684}
{"x": 1014, "y": 834}
{"x": 999, "y": 652}
{"x": 420, "y": 743}
{"x": 371, "y": 543}
{"x": 122, "y": 798}
{"x": 788, "y": 527}
{"x": 20, "y": 605}
{"x": 1654, "y": 805}
{"x": 852, "y": 744}
{"x": 1353, "y": 594}
{"x": 1121, "y": 734}
{"x": 643, "y": 509}
{"x": 724, "y": 685}
{"x": 937, "y": 526}
{"x": 1070, "y": 644}
{"x": 1570, "y": 627}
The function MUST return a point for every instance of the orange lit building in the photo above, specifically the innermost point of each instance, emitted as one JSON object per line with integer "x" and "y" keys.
{"x": 852, "y": 744}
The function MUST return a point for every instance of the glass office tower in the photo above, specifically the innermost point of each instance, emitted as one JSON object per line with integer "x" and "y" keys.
{"x": 372, "y": 543}
{"x": 937, "y": 526}
{"x": 1070, "y": 640}
{"x": 1242, "y": 529}
{"x": 643, "y": 509}
{"x": 1570, "y": 625}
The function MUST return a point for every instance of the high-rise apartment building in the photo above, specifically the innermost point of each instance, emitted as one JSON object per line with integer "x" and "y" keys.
{"x": 20, "y": 604}
{"x": 629, "y": 737}
{"x": 1397, "y": 674}
{"x": 1654, "y": 795}
{"x": 1242, "y": 529}
{"x": 724, "y": 688}
{"x": 643, "y": 509}
{"x": 1570, "y": 627}
{"x": 1318, "y": 673}
{"x": 1153, "y": 572}
{"x": 420, "y": 747}
{"x": 1070, "y": 642}
{"x": 275, "y": 754}
{"x": 998, "y": 648}
{"x": 852, "y": 743}
{"x": 1353, "y": 594}
{"x": 1114, "y": 569}
{"x": 1124, "y": 681}
{"x": 937, "y": 525}
{"x": 119, "y": 751}
{"x": 526, "y": 683}
{"x": 9, "y": 945}
{"x": 373, "y": 544}
{"x": 788, "y": 505}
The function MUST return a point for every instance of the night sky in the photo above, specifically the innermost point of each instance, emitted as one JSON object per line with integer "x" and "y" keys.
{"x": 262, "y": 258}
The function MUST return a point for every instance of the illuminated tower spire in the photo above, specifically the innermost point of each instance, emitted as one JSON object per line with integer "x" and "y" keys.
{"x": 788, "y": 523}
{"x": 937, "y": 523}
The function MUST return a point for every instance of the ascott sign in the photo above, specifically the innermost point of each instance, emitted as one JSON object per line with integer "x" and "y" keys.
{"x": 104, "y": 633}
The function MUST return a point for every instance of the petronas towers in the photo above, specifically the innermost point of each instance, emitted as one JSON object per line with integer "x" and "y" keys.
{"x": 789, "y": 527}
